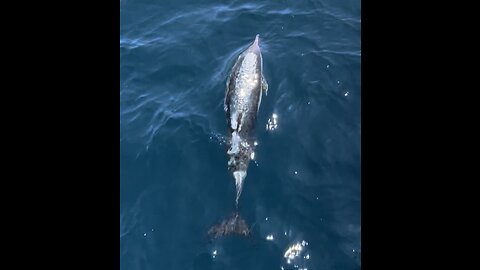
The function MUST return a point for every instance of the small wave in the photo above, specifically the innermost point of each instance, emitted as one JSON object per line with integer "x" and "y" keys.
{"x": 137, "y": 42}
{"x": 350, "y": 53}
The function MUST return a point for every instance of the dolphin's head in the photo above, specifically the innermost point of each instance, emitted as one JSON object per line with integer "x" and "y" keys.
{"x": 255, "y": 45}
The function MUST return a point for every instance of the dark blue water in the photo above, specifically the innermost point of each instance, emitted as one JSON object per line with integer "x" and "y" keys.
{"x": 304, "y": 185}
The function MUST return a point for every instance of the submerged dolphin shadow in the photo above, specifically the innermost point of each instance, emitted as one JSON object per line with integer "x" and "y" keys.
{"x": 234, "y": 225}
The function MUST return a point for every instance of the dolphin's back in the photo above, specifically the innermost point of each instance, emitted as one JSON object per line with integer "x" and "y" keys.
{"x": 244, "y": 92}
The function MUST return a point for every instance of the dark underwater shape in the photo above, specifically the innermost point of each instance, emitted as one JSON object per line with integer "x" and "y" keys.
{"x": 233, "y": 225}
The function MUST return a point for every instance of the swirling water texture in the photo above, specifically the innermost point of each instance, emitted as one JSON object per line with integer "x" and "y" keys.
{"x": 305, "y": 182}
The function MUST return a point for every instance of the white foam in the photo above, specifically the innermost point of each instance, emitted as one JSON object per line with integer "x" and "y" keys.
{"x": 233, "y": 121}
{"x": 234, "y": 144}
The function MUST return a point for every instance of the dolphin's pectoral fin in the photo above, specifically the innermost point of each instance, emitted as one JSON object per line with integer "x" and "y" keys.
{"x": 225, "y": 105}
{"x": 227, "y": 92}
{"x": 264, "y": 85}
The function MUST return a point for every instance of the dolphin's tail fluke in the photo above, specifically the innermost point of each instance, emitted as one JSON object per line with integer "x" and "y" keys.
{"x": 232, "y": 225}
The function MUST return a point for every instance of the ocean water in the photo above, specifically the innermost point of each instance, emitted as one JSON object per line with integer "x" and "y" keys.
{"x": 303, "y": 188}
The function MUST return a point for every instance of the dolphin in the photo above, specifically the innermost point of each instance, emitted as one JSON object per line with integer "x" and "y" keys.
{"x": 243, "y": 96}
